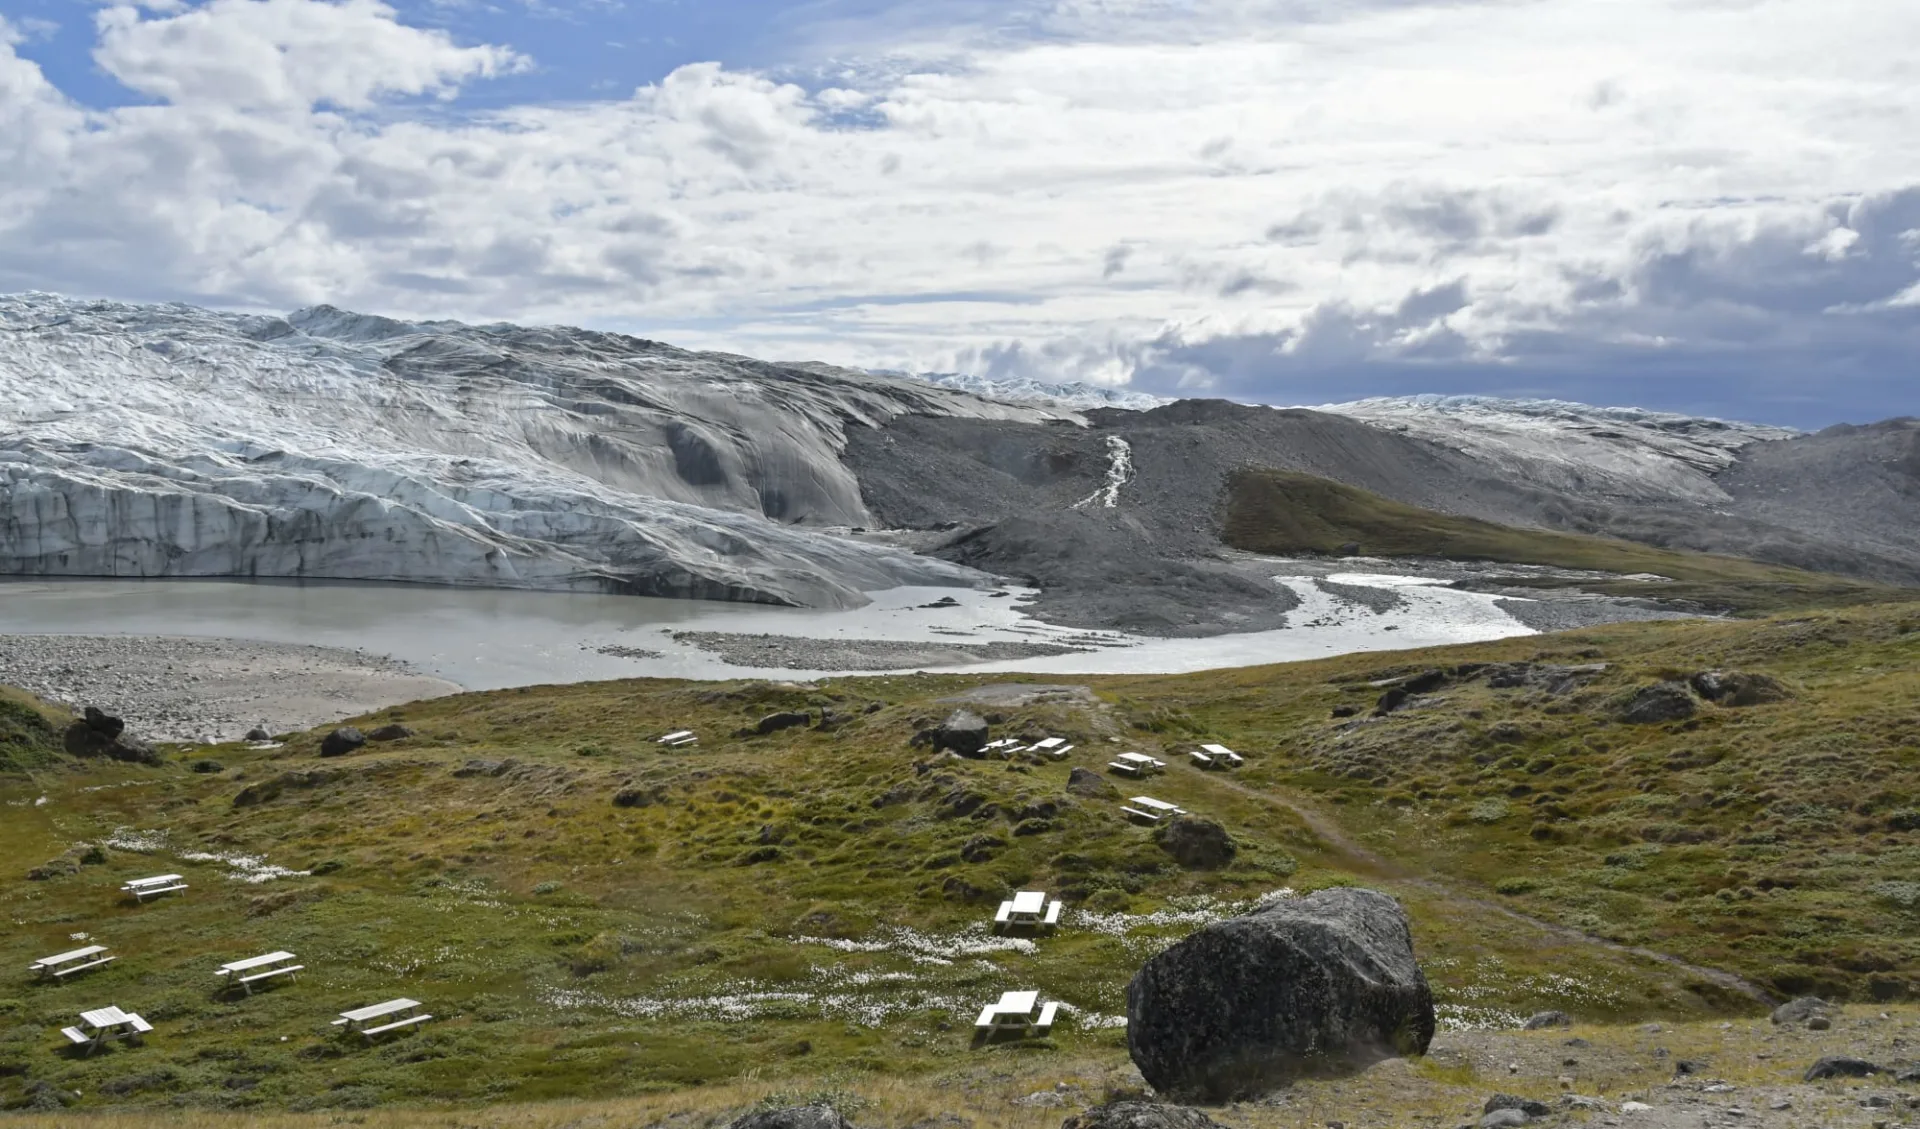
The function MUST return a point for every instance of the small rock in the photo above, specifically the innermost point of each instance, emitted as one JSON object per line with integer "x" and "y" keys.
{"x": 1779, "y": 1104}
{"x": 341, "y": 741}
{"x": 1583, "y": 1102}
{"x": 1041, "y": 1099}
{"x": 1503, "y": 1119}
{"x": 1819, "y": 1023}
{"x": 1634, "y": 1107}
{"x": 390, "y": 733}
{"x": 1739, "y": 688}
{"x": 1877, "y": 1101}
{"x": 785, "y": 719}
{"x": 1543, "y": 1019}
{"x": 1658, "y": 703}
{"x": 1346, "y": 711}
{"x": 1526, "y": 1106}
{"x": 258, "y": 734}
{"x": 1719, "y": 1088}
{"x": 1085, "y": 782}
{"x": 1910, "y": 1074}
{"x": 1686, "y": 1066}
{"x": 1840, "y": 1066}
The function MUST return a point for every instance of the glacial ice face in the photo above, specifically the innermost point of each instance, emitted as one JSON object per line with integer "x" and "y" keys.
{"x": 1592, "y": 452}
{"x": 173, "y": 441}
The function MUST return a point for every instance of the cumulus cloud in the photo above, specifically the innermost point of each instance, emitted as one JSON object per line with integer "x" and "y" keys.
{"x": 1263, "y": 200}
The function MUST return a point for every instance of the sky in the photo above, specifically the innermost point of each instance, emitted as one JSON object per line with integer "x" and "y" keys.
{"x": 1706, "y": 206}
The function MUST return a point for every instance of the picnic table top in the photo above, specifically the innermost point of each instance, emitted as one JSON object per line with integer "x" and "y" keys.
{"x": 1149, "y": 801}
{"x": 1017, "y": 1003}
{"x": 69, "y": 958}
{"x": 156, "y": 880}
{"x": 676, "y": 733}
{"x": 1138, "y": 757}
{"x": 378, "y": 1010}
{"x": 256, "y": 962}
{"x": 1030, "y": 901}
{"x": 106, "y": 1017}
{"x": 1219, "y": 749}
{"x": 1049, "y": 742}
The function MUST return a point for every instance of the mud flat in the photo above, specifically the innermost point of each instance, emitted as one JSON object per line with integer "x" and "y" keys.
{"x": 174, "y": 688}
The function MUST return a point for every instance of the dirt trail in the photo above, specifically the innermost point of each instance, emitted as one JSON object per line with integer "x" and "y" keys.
{"x": 1359, "y": 858}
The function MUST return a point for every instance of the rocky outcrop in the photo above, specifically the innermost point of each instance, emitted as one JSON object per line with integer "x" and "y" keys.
{"x": 786, "y": 719}
{"x": 97, "y": 734}
{"x": 1658, "y": 703}
{"x": 795, "y": 1117}
{"x": 1303, "y": 986}
{"x": 964, "y": 732}
{"x": 342, "y": 741}
{"x": 1088, "y": 783}
{"x": 1195, "y": 843}
{"x": 1541, "y": 1020}
{"x": 1739, "y": 688}
{"x": 1840, "y": 1066}
{"x": 1802, "y": 1010}
{"x": 1139, "y": 1115}
{"x": 390, "y": 733}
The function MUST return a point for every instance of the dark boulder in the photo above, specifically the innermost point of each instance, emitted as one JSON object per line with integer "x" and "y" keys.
{"x": 1840, "y": 1066}
{"x": 1739, "y": 688}
{"x": 258, "y": 734}
{"x": 1086, "y": 782}
{"x": 390, "y": 733}
{"x": 1197, "y": 844}
{"x": 1801, "y": 1010}
{"x": 1660, "y": 702}
{"x": 97, "y": 734}
{"x": 1391, "y": 700}
{"x": 1526, "y": 1106}
{"x": 798, "y": 1117}
{"x": 1139, "y": 1115}
{"x": 964, "y": 732}
{"x": 342, "y": 741}
{"x": 1543, "y": 1019}
{"x": 1309, "y": 985}
{"x": 785, "y": 719}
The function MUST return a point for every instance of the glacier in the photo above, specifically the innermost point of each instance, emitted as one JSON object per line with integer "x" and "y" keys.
{"x": 167, "y": 440}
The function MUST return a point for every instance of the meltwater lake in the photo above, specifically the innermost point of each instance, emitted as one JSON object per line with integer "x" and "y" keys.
{"x": 484, "y": 639}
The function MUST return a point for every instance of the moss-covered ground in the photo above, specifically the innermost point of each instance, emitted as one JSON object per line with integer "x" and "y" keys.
{"x": 589, "y": 917}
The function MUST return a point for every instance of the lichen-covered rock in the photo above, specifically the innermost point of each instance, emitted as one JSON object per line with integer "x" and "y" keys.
{"x": 796, "y": 1117}
{"x": 1801, "y": 1010}
{"x": 1660, "y": 702}
{"x": 1139, "y": 1115}
{"x": 1739, "y": 688}
{"x": 1840, "y": 1066}
{"x": 1302, "y": 986}
{"x": 1543, "y": 1019}
{"x": 1086, "y": 782}
{"x": 1198, "y": 844}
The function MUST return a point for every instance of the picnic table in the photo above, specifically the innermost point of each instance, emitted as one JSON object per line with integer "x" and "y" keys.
{"x": 144, "y": 888}
{"x": 1136, "y": 764}
{"x": 398, "y": 1013}
{"x": 101, "y": 1024}
{"x": 1031, "y": 908}
{"x": 1150, "y": 809}
{"x": 253, "y": 970}
{"x": 1055, "y": 747}
{"x": 1216, "y": 756}
{"x": 63, "y": 965}
{"x": 678, "y": 738}
{"x": 1017, "y": 1011}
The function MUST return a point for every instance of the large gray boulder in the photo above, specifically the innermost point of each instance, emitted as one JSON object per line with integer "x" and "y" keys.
{"x": 1801, "y": 1010}
{"x": 1139, "y": 1115}
{"x": 99, "y": 734}
{"x": 1658, "y": 703}
{"x": 1197, "y": 844}
{"x": 342, "y": 741}
{"x": 1305, "y": 986}
{"x": 964, "y": 732}
{"x": 796, "y": 1117}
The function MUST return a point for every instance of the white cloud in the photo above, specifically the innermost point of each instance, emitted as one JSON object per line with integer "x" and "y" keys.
{"x": 1302, "y": 184}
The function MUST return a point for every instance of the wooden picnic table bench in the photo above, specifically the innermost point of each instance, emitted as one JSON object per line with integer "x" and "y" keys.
{"x": 253, "y": 970}
{"x": 106, "y": 1023}
{"x": 144, "y": 888}
{"x": 62, "y": 965}
{"x": 1136, "y": 764}
{"x": 1020, "y": 1011}
{"x": 677, "y": 738}
{"x": 1150, "y": 809}
{"x": 1029, "y": 907}
{"x": 355, "y": 1020}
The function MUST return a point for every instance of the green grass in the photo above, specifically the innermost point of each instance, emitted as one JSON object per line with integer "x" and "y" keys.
{"x": 1282, "y": 512}
{"x": 804, "y": 911}
{"x": 29, "y": 732}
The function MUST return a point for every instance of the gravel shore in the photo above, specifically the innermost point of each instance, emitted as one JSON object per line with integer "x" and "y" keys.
{"x": 174, "y": 688}
{"x": 789, "y": 652}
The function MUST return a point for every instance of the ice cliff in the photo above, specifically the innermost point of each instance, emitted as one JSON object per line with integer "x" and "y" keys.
{"x": 173, "y": 441}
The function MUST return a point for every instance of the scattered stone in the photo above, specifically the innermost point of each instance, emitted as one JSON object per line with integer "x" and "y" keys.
{"x": 1346, "y": 711}
{"x": 97, "y": 734}
{"x": 1909, "y": 1075}
{"x": 1390, "y": 701}
{"x": 1139, "y": 1115}
{"x": 1504, "y": 1119}
{"x": 258, "y": 734}
{"x": 797, "y": 1117}
{"x": 390, "y": 733}
{"x": 1634, "y": 1107}
{"x": 1324, "y": 981}
{"x": 1800, "y": 1010}
{"x": 1739, "y": 688}
{"x": 1819, "y": 1023}
{"x": 1779, "y": 1104}
{"x": 639, "y": 797}
{"x": 1086, "y": 782}
{"x": 1040, "y": 1099}
{"x": 206, "y": 767}
{"x": 1540, "y": 1020}
{"x": 1195, "y": 843}
{"x": 342, "y": 741}
{"x": 1685, "y": 1066}
{"x": 1660, "y": 702}
{"x": 785, "y": 719}
{"x": 1583, "y": 1102}
{"x": 480, "y": 766}
{"x": 1876, "y": 1101}
{"x": 1840, "y": 1066}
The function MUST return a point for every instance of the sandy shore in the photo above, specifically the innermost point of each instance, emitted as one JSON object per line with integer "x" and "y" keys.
{"x": 173, "y": 688}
